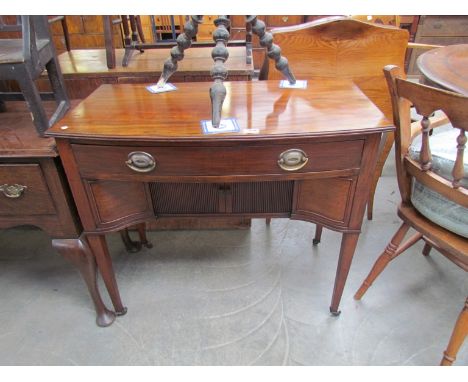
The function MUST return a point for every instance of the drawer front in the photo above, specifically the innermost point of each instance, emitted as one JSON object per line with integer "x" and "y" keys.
{"x": 326, "y": 200}
{"x": 23, "y": 191}
{"x": 96, "y": 162}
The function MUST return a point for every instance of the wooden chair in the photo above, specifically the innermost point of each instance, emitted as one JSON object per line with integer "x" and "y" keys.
{"x": 421, "y": 173}
{"x": 24, "y": 59}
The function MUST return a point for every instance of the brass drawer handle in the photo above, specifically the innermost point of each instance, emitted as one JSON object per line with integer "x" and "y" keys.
{"x": 140, "y": 161}
{"x": 292, "y": 160}
{"x": 12, "y": 191}
{"x": 285, "y": 19}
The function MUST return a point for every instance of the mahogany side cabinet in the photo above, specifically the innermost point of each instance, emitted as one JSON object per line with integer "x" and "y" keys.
{"x": 305, "y": 154}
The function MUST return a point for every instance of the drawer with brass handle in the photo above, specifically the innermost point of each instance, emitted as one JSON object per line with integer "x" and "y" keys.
{"x": 124, "y": 162}
{"x": 23, "y": 191}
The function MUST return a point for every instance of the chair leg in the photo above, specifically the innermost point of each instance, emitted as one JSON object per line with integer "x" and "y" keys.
{"x": 141, "y": 227}
{"x": 458, "y": 336}
{"x": 318, "y": 234}
{"x": 33, "y": 99}
{"x": 391, "y": 251}
{"x": 135, "y": 246}
{"x": 65, "y": 32}
{"x": 130, "y": 245}
{"x": 109, "y": 42}
{"x": 140, "y": 29}
{"x": 427, "y": 249}
{"x": 57, "y": 83}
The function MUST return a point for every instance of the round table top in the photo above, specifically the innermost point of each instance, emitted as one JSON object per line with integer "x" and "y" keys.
{"x": 446, "y": 67}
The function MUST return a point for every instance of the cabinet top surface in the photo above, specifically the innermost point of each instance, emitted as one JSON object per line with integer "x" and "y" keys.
{"x": 261, "y": 108}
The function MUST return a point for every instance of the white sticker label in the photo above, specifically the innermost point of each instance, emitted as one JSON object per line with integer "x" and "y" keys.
{"x": 156, "y": 89}
{"x": 299, "y": 84}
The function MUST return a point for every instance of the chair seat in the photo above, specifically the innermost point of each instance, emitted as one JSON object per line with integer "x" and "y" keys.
{"x": 439, "y": 209}
{"x": 451, "y": 245}
{"x": 431, "y": 204}
{"x": 11, "y": 50}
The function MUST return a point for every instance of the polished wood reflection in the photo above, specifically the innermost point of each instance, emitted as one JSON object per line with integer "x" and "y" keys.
{"x": 261, "y": 109}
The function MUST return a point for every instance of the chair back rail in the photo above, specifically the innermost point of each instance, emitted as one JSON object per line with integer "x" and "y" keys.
{"x": 427, "y": 100}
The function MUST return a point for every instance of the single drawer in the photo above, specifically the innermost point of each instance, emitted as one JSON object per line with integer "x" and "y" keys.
{"x": 113, "y": 162}
{"x": 23, "y": 191}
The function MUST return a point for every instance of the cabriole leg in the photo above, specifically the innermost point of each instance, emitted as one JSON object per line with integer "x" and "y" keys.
{"x": 80, "y": 255}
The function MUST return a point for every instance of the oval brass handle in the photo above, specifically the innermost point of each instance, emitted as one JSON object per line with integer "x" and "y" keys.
{"x": 292, "y": 160}
{"x": 140, "y": 161}
{"x": 12, "y": 191}
{"x": 285, "y": 19}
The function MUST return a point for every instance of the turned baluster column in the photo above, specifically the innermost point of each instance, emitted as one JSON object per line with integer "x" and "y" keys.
{"x": 458, "y": 170}
{"x": 273, "y": 50}
{"x": 184, "y": 41}
{"x": 219, "y": 72}
{"x": 425, "y": 157}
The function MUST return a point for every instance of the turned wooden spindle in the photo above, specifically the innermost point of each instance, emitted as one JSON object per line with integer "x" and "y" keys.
{"x": 126, "y": 30}
{"x": 133, "y": 27}
{"x": 393, "y": 250}
{"x": 220, "y": 54}
{"x": 248, "y": 43}
{"x": 219, "y": 72}
{"x": 425, "y": 157}
{"x": 458, "y": 167}
{"x": 273, "y": 50}
{"x": 184, "y": 41}
{"x": 458, "y": 337}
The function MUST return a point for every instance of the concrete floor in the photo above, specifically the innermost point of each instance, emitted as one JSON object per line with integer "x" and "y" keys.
{"x": 253, "y": 297}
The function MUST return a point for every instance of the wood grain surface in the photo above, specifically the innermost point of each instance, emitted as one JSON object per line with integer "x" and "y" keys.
{"x": 261, "y": 108}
